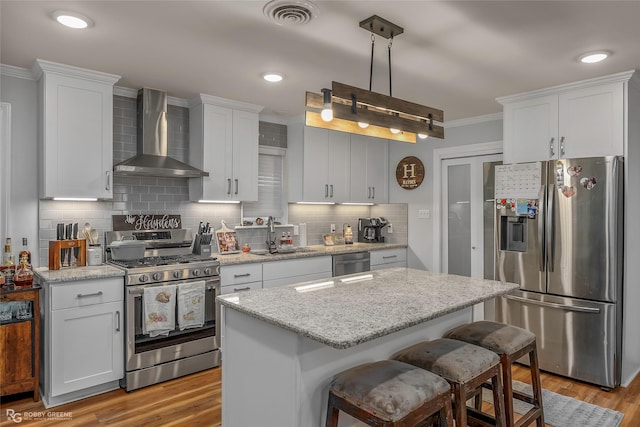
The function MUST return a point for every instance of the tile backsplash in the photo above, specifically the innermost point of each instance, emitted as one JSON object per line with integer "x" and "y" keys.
{"x": 170, "y": 195}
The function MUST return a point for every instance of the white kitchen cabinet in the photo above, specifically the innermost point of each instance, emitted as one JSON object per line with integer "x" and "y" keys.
{"x": 279, "y": 273}
{"x": 242, "y": 277}
{"x": 388, "y": 258}
{"x": 326, "y": 166}
{"x": 369, "y": 171}
{"x": 83, "y": 339}
{"x": 76, "y": 131}
{"x": 583, "y": 119}
{"x": 318, "y": 165}
{"x": 224, "y": 142}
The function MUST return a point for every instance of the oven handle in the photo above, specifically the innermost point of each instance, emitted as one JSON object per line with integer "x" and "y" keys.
{"x": 140, "y": 291}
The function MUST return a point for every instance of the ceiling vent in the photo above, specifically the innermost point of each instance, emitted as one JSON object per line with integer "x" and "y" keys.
{"x": 290, "y": 12}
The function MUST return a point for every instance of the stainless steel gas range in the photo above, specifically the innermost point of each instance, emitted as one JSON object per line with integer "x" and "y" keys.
{"x": 179, "y": 351}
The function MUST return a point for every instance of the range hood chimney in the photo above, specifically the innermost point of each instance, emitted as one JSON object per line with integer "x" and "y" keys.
{"x": 152, "y": 158}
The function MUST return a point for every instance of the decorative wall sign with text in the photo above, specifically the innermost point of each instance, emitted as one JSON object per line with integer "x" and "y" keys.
{"x": 146, "y": 222}
{"x": 410, "y": 173}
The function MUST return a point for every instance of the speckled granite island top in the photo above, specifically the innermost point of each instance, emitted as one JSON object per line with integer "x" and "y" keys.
{"x": 342, "y": 313}
{"x": 44, "y": 275}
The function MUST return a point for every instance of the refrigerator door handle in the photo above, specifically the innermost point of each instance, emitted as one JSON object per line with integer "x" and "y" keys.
{"x": 551, "y": 235}
{"x": 553, "y": 305}
{"x": 541, "y": 215}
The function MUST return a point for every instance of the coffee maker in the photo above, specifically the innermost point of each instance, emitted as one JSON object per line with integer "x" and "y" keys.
{"x": 370, "y": 230}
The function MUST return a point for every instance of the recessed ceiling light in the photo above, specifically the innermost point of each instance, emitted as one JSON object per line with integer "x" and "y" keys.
{"x": 72, "y": 19}
{"x": 593, "y": 57}
{"x": 272, "y": 77}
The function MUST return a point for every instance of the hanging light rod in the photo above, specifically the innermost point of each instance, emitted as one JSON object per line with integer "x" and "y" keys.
{"x": 354, "y": 110}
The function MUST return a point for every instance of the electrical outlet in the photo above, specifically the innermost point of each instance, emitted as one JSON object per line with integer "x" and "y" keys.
{"x": 333, "y": 228}
{"x": 390, "y": 228}
{"x": 296, "y": 230}
{"x": 424, "y": 214}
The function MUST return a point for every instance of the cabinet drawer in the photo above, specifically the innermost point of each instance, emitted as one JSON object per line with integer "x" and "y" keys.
{"x": 296, "y": 267}
{"x": 86, "y": 292}
{"x": 238, "y": 274}
{"x": 388, "y": 256}
{"x": 240, "y": 287}
{"x": 296, "y": 279}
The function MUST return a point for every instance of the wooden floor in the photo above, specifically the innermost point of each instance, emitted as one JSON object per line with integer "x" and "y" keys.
{"x": 195, "y": 400}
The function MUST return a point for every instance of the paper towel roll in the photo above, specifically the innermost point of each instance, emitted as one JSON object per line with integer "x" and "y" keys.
{"x": 302, "y": 229}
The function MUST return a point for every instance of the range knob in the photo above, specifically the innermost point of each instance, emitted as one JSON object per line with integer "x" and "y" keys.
{"x": 207, "y": 271}
{"x": 196, "y": 272}
{"x": 176, "y": 274}
{"x": 143, "y": 278}
{"x": 157, "y": 276}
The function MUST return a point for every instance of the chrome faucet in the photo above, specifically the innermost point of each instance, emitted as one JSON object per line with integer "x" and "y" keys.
{"x": 271, "y": 242}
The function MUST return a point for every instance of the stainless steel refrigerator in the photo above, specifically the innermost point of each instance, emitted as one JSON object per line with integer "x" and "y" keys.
{"x": 564, "y": 246}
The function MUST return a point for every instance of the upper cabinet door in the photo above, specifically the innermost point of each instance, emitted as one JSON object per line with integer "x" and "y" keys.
{"x": 76, "y": 138}
{"x": 582, "y": 119}
{"x": 369, "y": 169}
{"x": 223, "y": 142}
{"x": 531, "y": 130}
{"x": 316, "y": 165}
{"x": 338, "y": 163}
{"x": 592, "y": 122}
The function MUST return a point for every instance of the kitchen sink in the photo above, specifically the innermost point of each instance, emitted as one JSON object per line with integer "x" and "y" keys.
{"x": 264, "y": 252}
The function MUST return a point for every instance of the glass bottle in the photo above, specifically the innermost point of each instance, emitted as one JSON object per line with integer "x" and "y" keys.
{"x": 24, "y": 274}
{"x": 25, "y": 251}
{"x": 8, "y": 262}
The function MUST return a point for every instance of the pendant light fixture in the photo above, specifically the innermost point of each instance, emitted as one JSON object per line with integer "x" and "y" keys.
{"x": 354, "y": 110}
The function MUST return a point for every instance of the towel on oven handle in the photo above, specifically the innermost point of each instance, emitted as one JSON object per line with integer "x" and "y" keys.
{"x": 191, "y": 297}
{"x": 159, "y": 310}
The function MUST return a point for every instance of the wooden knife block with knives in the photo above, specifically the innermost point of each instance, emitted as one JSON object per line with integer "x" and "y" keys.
{"x": 67, "y": 246}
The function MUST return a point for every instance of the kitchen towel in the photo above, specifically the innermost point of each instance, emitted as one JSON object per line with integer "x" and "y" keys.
{"x": 191, "y": 308}
{"x": 159, "y": 310}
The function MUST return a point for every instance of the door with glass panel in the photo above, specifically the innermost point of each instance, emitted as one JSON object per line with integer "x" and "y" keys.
{"x": 467, "y": 215}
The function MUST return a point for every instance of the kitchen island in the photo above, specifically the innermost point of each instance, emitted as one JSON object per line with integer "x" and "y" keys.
{"x": 281, "y": 346}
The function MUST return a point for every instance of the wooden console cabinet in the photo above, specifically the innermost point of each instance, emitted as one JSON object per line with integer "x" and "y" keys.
{"x": 20, "y": 343}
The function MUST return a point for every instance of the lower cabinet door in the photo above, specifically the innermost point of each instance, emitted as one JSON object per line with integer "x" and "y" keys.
{"x": 87, "y": 346}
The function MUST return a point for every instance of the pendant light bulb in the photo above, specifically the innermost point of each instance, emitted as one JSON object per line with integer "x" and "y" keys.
{"x": 394, "y": 131}
{"x": 327, "y": 112}
{"x": 422, "y": 136}
{"x": 363, "y": 125}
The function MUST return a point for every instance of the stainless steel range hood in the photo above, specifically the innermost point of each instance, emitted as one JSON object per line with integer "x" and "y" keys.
{"x": 152, "y": 158}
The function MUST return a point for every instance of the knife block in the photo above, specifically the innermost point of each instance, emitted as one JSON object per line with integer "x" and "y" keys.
{"x": 57, "y": 246}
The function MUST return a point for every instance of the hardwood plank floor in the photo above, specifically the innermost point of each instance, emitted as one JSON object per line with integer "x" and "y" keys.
{"x": 195, "y": 400}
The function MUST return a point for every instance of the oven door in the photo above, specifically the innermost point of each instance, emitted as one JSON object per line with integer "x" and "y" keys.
{"x": 143, "y": 351}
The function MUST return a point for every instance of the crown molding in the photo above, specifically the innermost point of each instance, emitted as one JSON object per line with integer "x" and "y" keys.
{"x": 40, "y": 66}
{"x": 11, "y": 71}
{"x": 473, "y": 120}
{"x": 224, "y": 102}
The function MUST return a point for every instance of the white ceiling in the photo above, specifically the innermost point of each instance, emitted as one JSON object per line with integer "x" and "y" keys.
{"x": 454, "y": 55}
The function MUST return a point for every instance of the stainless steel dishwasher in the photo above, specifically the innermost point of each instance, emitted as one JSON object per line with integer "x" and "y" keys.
{"x": 351, "y": 263}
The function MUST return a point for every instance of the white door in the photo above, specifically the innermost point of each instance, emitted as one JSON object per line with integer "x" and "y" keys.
{"x": 463, "y": 223}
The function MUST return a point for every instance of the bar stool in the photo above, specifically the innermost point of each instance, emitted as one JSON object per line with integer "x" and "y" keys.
{"x": 466, "y": 367}
{"x": 510, "y": 343}
{"x": 389, "y": 393}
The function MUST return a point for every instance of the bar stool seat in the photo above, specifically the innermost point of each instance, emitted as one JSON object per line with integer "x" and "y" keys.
{"x": 465, "y": 367}
{"x": 510, "y": 343}
{"x": 389, "y": 393}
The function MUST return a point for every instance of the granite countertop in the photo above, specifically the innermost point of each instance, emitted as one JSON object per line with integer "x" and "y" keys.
{"x": 343, "y": 315}
{"x": 305, "y": 252}
{"x": 44, "y": 275}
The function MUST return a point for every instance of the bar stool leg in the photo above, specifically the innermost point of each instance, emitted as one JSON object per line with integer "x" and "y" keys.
{"x": 332, "y": 412}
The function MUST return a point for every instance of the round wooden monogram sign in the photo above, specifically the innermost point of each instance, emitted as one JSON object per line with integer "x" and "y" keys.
{"x": 410, "y": 173}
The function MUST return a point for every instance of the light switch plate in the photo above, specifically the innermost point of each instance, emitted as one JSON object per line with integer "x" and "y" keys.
{"x": 424, "y": 214}
{"x": 390, "y": 228}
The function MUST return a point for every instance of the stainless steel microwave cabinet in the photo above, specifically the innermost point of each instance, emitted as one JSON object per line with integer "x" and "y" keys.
{"x": 83, "y": 339}
{"x": 581, "y": 119}
{"x": 76, "y": 131}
